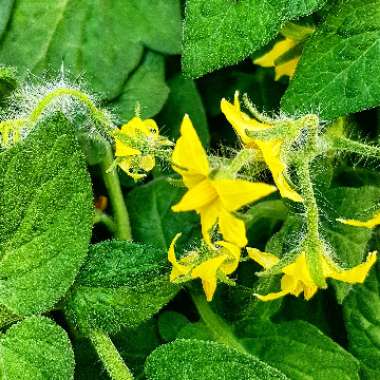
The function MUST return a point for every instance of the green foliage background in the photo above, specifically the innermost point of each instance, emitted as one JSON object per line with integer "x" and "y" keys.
{"x": 64, "y": 277}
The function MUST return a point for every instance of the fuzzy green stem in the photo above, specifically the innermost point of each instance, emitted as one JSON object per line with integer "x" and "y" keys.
{"x": 241, "y": 159}
{"x": 110, "y": 357}
{"x": 314, "y": 245}
{"x": 112, "y": 183}
{"x": 97, "y": 114}
{"x": 347, "y": 145}
{"x": 217, "y": 326}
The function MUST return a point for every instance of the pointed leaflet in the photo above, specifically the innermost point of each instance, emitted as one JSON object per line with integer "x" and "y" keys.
{"x": 339, "y": 71}
{"x": 121, "y": 284}
{"x": 37, "y": 349}
{"x": 100, "y": 40}
{"x": 45, "y": 217}
{"x": 200, "y": 360}
{"x": 362, "y": 318}
{"x": 223, "y": 32}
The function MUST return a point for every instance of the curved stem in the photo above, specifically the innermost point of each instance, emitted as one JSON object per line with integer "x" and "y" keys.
{"x": 217, "y": 326}
{"x": 112, "y": 183}
{"x": 97, "y": 114}
{"x": 110, "y": 357}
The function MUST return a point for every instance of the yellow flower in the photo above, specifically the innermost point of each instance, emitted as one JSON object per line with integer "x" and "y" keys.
{"x": 371, "y": 223}
{"x": 214, "y": 198}
{"x": 297, "y": 278}
{"x": 270, "y": 149}
{"x": 280, "y": 48}
{"x": 222, "y": 259}
{"x": 135, "y": 145}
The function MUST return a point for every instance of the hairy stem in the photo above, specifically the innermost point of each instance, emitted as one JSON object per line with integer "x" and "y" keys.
{"x": 112, "y": 183}
{"x": 217, "y": 326}
{"x": 110, "y": 357}
{"x": 97, "y": 114}
{"x": 347, "y": 145}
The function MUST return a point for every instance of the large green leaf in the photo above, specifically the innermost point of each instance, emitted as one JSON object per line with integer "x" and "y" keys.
{"x": 339, "y": 71}
{"x": 36, "y": 349}
{"x": 200, "y": 360}
{"x": 299, "y": 350}
{"x": 223, "y": 32}
{"x": 121, "y": 284}
{"x": 362, "y": 317}
{"x": 145, "y": 90}
{"x": 45, "y": 217}
{"x": 5, "y": 13}
{"x": 152, "y": 220}
{"x": 99, "y": 39}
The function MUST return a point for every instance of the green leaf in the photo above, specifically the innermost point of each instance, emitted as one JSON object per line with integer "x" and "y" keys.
{"x": 170, "y": 323}
{"x": 200, "y": 360}
{"x": 152, "y": 220}
{"x": 338, "y": 73}
{"x": 36, "y": 349}
{"x": 5, "y": 13}
{"x": 184, "y": 98}
{"x": 121, "y": 284}
{"x": 223, "y": 32}
{"x": 45, "y": 217}
{"x": 362, "y": 317}
{"x": 299, "y": 350}
{"x": 146, "y": 90}
{"x": 101, "y": 40}
{"x": 349, "y": 243}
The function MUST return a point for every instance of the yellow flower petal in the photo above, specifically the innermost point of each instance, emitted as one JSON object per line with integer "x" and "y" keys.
{"x": 232, "y": 228}
{"x": 147, "y": 163}
{"x": 235, "y": 193}
{"x": 207, "y": 272}
{"x": 189, "y": 157}
{"x": 197, "y": 197}
{"x": 123, "y": 150}
{"x": 209, "y": 216}
{"x": 178, "y": 269}
{"x": 233, "y": 252}
{"x": 371, "y": 223}
{"x": 286, "y": 69}
{"x": 352, "y": 276}
{"x": 272, "y": 296}
{"x": 266, "y": 260}
{"x": 279, "y": 48}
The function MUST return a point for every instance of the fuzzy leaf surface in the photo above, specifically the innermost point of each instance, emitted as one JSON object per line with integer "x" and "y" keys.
{"x": 299, "y": 350}
{"x": 223, "y": 32}
{"x": 121, "y": 284}
{"x": 100, "y": 40}
{"x": 37, "y": 349}
{"x": 339, "y": 71}
{"x": 200, "y": 360}
{"x": 45, "y": 217}
{"x": 362, "y": 318}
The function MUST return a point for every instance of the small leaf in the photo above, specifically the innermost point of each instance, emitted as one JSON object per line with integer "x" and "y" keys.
{"x": 223, "y": 32}
{"x": 121, "y": 284}
{"x": 184, "y": 98}
{"x": 152, "y": 220}
{"x": 200, "y": 360}
{"x": 299, "y": 350}
{"x": 339, "y": 71}
{"x": 362, "y": 317}
{"x": 146, "y": 90}
{"x": 37, "y": 349}
{"x": 170, "y": 323}
{"x": 45, "y": 217}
